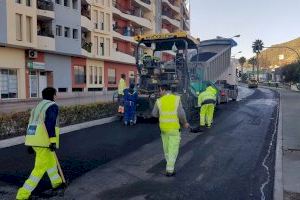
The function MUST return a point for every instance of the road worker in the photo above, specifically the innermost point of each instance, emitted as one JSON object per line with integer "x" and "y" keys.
{"x": 207, "y": 102}
{"x": 121, "y": 87}
{"x": 130, "y": 99}
{"x": 42, "y": 138}
{"x": 170, "y": 112}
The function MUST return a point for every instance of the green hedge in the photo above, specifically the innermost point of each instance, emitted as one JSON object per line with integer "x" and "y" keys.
{"x": 15, "y": 124}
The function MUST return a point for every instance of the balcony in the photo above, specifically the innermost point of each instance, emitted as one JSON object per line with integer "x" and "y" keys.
{"x": 45, "y": 9}
{"x": 121, "y": 57}
{"x": 174, "y": 8}
{"x": 185, "y": 10}
{"x": 166, "y": 16}
{"x": 45, "y": 42}
{"x": 86, "y": 23}
{"x": 135, "y": 16}
{"x": 44, "y": 28}
{"x": 126, "y": 33}
{"x": 86, "y": 11}
{"x": 145, "y": 4}
{"x": 86, "y": 48}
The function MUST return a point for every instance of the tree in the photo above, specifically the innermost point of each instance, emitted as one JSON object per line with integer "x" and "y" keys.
{"x": 257, "y": 47}
{"x": 291, "y": 72}
{"x": 242, "y": 61}
{"x": 252, "y": 61}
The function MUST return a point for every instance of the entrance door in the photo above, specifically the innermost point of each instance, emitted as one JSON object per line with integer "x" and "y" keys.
{"x": 42, "y": 82}
{"x": 33, "y": 80}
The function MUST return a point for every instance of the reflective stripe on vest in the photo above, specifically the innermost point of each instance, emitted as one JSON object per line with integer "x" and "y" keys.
{"x": 37, "y": 134}
{"x": 168, "y": 117}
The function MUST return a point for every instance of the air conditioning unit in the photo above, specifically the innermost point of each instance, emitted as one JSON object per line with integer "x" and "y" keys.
{"x": 32, "y": 54}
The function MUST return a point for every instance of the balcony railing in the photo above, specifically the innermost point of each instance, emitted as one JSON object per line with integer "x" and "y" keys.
{"x": 128, "y": 31}
{"x": 46, "y": 33}
{"x": 45, "y": 5}
{"x": 132, "y": 11}
{"x": 86, "y": 46}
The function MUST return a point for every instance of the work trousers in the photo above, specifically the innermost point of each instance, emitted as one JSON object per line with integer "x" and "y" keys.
{"x": 44, "y": 162}
{"x": 129, "y": 113}
{"x": 171, "y": 144}
{"x": 206, "y": 114}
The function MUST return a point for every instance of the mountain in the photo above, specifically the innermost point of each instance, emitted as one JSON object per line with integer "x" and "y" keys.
{"x": 270, "y": 57}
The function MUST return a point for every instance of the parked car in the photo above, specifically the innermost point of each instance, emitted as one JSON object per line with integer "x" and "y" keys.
{"x": 252, "y": 83}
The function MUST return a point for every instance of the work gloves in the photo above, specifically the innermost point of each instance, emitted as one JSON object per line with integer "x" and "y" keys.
{"x": 52, "y": 147}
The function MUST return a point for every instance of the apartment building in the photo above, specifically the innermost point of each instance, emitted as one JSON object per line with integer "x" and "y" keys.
{"x": 77, "y": 45}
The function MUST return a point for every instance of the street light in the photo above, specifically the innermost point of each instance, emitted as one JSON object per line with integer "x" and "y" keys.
{"x": 236, "y": 36}
{"x": 236, "y": 54}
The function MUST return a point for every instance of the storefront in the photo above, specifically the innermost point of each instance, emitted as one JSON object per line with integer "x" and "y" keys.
{"x": 12, "y": 73}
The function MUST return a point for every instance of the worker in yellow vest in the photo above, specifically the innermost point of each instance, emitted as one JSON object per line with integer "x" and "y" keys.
{"x": 207, "y": 102}
{"x": 121, "y": 87}
{"x": 170, "y": 112}
{"x": 42, "y": 138}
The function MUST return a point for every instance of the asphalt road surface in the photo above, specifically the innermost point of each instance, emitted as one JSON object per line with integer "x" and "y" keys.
{"x": 232, "y": 160}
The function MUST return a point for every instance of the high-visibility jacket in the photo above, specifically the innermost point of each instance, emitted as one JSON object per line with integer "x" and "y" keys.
{"x": 168, "y": 117}
{"x": 37, "y": 134}
{"x": 208, "y": 96}
{"x": 121, "y": 86}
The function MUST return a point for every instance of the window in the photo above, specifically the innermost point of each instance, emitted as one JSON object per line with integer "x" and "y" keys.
{"x": 79, "y": 74}
{"x": 111, "y": 76}
{"x": 58, "y": 1}
{"x": 58, "y": 30}
{"x": 96, "y": 75}
{"x": 28, "y": 3}
{"x": 91, "y": 75}
{"x": 96, "y": 45}
{"x": 75, "y": 4}
{"x": 107, "y": 48}
{"x": 8, "y": 83}
{"x": 100, "y": 75}
{"x": 101, "y": 21}
{"x": 95, "y": 16}
{"x": 102, "y": 46}
{"x": 107, "y": 22}
{"x": 62, "y": 89}
{"x": 18, "y": 1}
{"x": 29, "y": 29}
{"x": 67, "y": 32}
{"x": 66, "y": 3}
{"x": 19, "y": 27}
{"x": 75, "y": 33}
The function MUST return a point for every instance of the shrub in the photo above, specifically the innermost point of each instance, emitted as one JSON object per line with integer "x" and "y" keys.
{"x": 15, "y": 124}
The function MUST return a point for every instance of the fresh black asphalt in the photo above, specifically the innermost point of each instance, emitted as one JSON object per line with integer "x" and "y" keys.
{"x": 228, "y": 157}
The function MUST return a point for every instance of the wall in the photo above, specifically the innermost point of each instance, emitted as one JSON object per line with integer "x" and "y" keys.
{"x": 61, "y": 68}
{"x": 120, "y": 69}
{"x": 3, "y": 22}
{"x": 12, "y": 9}
{"x": 12, "y": 58}
{"x": 69, "y": 17}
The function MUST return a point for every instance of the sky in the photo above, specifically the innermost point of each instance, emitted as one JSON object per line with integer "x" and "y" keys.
{"x": 272, "y": 21}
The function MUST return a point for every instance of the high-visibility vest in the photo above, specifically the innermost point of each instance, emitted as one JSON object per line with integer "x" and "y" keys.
{"x": 121, "y": 86}
{"x": 206, "y": 95}
{"x": 37, "y": 134}
{"x": 168, "y": 117}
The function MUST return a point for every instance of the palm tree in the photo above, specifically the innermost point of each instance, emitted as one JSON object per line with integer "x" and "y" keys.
{"x": 257, "y": 47}
{"x": 252, "y": 61}
{"x": 242, "y": 61}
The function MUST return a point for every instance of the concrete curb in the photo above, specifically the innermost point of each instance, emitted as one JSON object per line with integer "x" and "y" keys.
{"x": 20, "y": 140}
{"x": 278, "y": 180}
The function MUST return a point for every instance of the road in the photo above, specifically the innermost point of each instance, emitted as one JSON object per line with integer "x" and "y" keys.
{"x": 233, "y": 160}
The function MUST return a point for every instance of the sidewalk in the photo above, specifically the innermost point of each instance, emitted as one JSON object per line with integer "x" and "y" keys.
{"x": 62, "y": 100}
{"x": 290, "y": 105}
